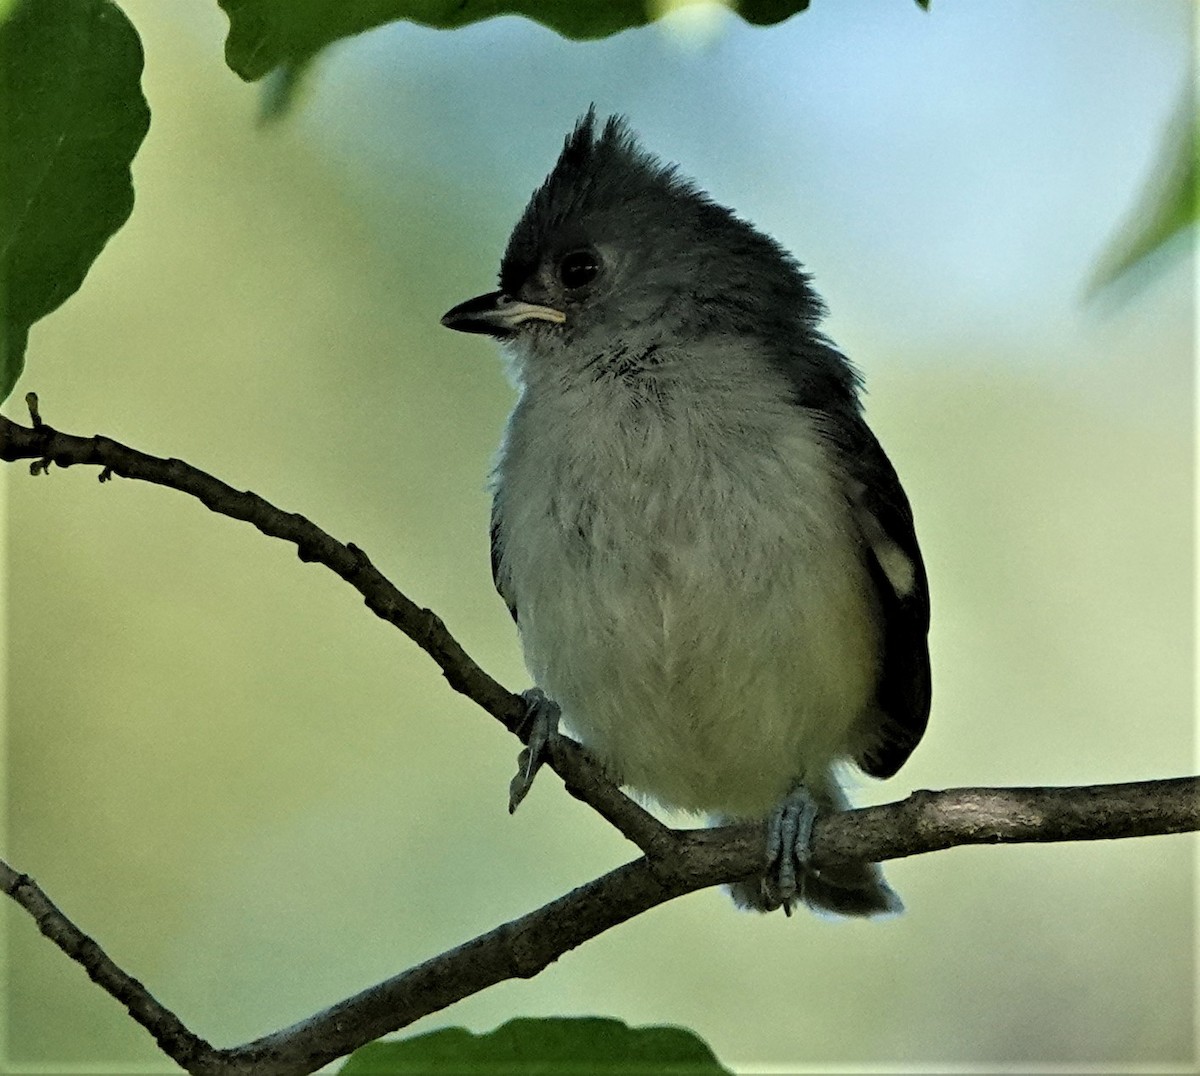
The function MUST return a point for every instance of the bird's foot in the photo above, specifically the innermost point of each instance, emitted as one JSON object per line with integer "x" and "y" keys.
{"x": 841, "y": 888}
{"x": 541, "y": 722}
{"x": 789, "y": 848}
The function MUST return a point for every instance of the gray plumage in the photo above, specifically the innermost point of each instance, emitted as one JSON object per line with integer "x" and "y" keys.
{"x": 710, "y": 560}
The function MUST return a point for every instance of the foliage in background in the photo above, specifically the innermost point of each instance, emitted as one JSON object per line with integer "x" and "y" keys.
{"x": 1168, "y": 205}
{"x": 548, "y": 1047}
{"x": 264, "y": 34}
{"x": 72, "y": 116}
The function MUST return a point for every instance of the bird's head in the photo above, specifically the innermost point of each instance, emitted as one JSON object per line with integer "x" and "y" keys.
{"x": 616, "y": 250}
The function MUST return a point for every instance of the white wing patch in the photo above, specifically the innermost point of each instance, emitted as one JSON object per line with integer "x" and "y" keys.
{"x": 896, "y": 564}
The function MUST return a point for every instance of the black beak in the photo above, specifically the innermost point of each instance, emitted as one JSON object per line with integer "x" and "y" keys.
{"x": 497, "y": 314}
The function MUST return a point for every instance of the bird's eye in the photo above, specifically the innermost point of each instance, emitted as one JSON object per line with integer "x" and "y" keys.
{"x": 578, "y": 269}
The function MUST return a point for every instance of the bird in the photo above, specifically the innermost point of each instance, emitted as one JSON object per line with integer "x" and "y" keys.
{"x": 711, "y": 562}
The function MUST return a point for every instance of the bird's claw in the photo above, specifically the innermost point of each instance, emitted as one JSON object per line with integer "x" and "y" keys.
{"x": 541, "y": 722}
{"x": 789, "y": 847}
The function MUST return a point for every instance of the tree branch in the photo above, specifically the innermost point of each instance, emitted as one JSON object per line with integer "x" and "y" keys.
{"x": 675, "y": 862}
{"x": 583, "y": 777}
{"x": 175, "y": 1040}
{"x": 687, "y": 861}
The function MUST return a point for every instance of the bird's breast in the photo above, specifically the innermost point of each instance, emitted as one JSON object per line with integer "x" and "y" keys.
{"x": 693, "y": 599}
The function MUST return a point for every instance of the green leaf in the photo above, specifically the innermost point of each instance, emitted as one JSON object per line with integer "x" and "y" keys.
{"x": 266, "y": 33}
{"x": 555, "y": 1046}
{"x": 1168, "y": 205}
{"x": 72, "y": 116}
{"x": 281, "y": 88}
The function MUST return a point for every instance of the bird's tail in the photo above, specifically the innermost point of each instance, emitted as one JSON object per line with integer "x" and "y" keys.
{"x": 851, "y": 889}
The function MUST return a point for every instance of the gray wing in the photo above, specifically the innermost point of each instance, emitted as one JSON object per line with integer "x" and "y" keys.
{"x": 497, "y": 533}
{"x": 893, "y": 558}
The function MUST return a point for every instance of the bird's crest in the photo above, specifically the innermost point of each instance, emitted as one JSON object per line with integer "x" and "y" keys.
{"x": 602, "y": 170}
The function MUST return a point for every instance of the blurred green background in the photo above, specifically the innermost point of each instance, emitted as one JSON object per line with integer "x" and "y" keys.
{"x": 260, "y": 799}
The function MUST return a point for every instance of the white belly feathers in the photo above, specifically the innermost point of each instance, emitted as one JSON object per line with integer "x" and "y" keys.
{"x": 712, "y": 642}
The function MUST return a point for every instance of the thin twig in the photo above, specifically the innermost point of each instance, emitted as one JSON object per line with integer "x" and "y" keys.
{"x": 173, "y": 1038}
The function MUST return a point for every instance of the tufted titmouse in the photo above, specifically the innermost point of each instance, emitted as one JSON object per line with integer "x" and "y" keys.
{"x": 710, "y": 560}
